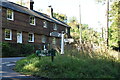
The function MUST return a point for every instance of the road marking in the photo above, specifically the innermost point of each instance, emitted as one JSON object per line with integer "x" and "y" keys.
{"x": 5, "y": 62}
{"x": 10, "y": 65}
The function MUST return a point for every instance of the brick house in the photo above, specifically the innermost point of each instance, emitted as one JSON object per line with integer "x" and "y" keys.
{"x": 24, "y": 25}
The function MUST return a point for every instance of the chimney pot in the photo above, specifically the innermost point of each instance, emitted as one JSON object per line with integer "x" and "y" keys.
{"x": 29, "y": 4}
{"x": 50, "y": 11}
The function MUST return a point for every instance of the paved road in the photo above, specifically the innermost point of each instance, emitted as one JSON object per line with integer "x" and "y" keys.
{"x": 7, "y": 72}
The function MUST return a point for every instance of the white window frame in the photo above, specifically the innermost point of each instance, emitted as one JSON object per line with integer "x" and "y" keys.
{"x": 32, "y": 37}
{"x": 10, "y": 34}
{"x": 45, "y": 24}
{"x": 44, "y": 38}
{"x": 55, "y": 27}
{"x": 33, "y": 20}
{"x": 12, "y": 15}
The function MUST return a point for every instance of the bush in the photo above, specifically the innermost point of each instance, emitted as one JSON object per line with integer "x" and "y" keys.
{"x": 15, "y": 50}
{"x": 67, "y": 66}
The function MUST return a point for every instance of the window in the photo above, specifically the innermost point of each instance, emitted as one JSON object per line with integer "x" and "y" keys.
{"x": 66, "y": 30}
{"x": 31, "y": 37}
{"x": 43, "y": 39}
{"x": 10, "y": 14}
{"x": 8, "y": 34}
{"x": 45, "y": 24}
{"x": 54, "y": 41}
{"x": 55, "y": 27}
{"x": 32, "y": 20}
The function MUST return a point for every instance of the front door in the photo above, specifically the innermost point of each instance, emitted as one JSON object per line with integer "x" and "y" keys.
{"x": 19, "y": 37}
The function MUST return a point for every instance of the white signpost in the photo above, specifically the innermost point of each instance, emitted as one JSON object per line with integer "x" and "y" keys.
{"x": 56, "y": 34}
{"x": 62, "y": 43}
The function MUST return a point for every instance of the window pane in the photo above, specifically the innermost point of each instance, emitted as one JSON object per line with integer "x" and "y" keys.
{"x": 7, "y": 33}
{"x": 45, "y": 24}
{"x": 9, "y": 14}
{"x": 55, "y": 27}
{"x": 43, "y": 39}
{"x": 32, "y": 20}
{"x": 54, "y": 41}
{"x": 30, "y": 37}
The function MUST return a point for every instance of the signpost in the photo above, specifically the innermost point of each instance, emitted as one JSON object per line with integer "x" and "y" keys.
{"x": 51, "y": 53}
{"x": 62, "y": 42}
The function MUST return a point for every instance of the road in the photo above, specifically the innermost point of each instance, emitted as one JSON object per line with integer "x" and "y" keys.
{"x": 7, "y": 72}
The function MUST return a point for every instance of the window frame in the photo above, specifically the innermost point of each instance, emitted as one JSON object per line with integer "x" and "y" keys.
{"x": 12, "y": 14}
{"x": 45, "y": 24}
{"x": 33, "y": 20}
{"x": 32, "y": 37}
{"x": 9, "y": 34}
{"x": 55, "y": 27}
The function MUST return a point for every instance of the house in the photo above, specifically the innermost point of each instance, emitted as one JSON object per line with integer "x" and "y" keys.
{"x": 25, "y": 25}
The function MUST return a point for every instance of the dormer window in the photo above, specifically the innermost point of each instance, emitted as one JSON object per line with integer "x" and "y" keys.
{"x": 55, "y": 27}
{"x": 32, "y": 20}
{"x": 45, "y": 24}
{"x": 10, "y": 14}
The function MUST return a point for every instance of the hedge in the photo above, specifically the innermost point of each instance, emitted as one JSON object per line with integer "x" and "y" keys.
{"x": 16, "y": 49}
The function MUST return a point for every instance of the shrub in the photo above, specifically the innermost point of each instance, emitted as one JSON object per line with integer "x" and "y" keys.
{"x": 67, "y": 66}
{"x": 15, "y": 50}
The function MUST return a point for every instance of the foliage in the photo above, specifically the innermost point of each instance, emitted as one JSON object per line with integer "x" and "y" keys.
{"x": 14, "y": 49}
{"x": 115, "y": 26}
{"x": 88, "y": 34}
{"x": 71, "y": 65}
{"x": 22, "y": 2}
{"x": 74, "y": 27}
{"x": 61, "y": 17}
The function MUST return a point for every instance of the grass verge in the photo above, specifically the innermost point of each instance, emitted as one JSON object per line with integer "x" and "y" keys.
{"x": 68, "y": 66}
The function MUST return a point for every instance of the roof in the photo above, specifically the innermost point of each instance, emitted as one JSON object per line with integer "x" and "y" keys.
{"x": 22, "y": 9}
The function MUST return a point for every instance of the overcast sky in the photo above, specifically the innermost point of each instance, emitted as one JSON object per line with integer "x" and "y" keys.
{"x": 92, "y": 14}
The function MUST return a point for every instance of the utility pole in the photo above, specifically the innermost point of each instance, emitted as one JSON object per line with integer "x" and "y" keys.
{"x": 80, "y": 26}
{"x": 107, "y": 27}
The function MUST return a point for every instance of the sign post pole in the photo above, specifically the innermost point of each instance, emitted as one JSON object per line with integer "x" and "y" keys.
{"x": 62, "y": 42}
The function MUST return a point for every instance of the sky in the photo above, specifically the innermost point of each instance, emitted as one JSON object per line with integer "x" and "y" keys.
{"x": 92, "y": 13}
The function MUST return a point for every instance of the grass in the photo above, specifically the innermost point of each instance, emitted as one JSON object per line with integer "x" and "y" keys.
{"x": 70, "y": 65}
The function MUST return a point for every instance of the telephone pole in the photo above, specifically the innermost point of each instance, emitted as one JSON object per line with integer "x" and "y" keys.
{"x": 107, "y": 27}
{"x": 80, "y": 26}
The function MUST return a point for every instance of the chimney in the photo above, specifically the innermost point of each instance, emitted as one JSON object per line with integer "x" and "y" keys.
{"x": 50, "y": 11}
{"x": 29, "y": 4}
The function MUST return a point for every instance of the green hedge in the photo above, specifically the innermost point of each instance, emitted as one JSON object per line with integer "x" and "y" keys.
{"x": 16, "y": 50}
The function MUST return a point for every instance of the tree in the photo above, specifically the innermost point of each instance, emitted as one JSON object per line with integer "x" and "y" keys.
{"x": 21, "y": 2}
{"x": 74, "y": 27}
{"x": 88, "y": 34}
{"x": 61, "y": 17}
{"x": 115, "y": 26}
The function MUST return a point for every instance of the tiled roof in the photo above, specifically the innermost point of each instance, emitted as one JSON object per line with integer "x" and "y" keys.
{"x": 22, "y": 9}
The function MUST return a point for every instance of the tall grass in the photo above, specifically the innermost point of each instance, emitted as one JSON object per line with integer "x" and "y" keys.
{"x": 73, "y": 64}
